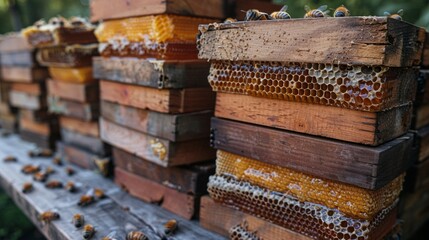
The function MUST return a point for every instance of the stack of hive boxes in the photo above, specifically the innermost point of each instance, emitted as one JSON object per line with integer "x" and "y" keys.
{"x": 155, "y": 102}
{"x": 414, "y": 207}
{"x": 27, "y": 93}
{"x": 347, "y": 82}
{"x": 67, "y": 50}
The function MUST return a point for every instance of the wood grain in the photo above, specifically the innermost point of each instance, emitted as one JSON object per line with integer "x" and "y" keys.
{"x": 27, "y": 101}
{"x": 78, "y": 156}
{"x": 425, "y": 58}
{"x": 352, "y": 40}
{"x": 83, "y": 111}
{"x": 132, "y": 8}
{"x": 39, "y": 128}
{"x": 363, "y": 166}
{"x": 166, "y": 101}
{"x": 173, "y": 127}
{"x": 82, "y": 127}
{"x": 24, "y": 74}
{"x": 422, "y": 142}
{"x": 36, "y": 89}
{"x": 153, "y": 73}
{"x": 421, "y": 117}
{"x": 220, "y": 219}
{"x": 35, "y": 115}
{"x": 182, "y": 204}
{"x": 41, "y": 141}
{"x": 22, "y": 59}
{"x": 337, "y": 123}
{"x": 8, "y": 123}
{"x": 14, "y": 42}
{"x": 83, "y": 93}
{"x": 86, "y": 142}
{"x": 191, "y": 179}
{"x": 156, "y": 150}
{"x": 415, "y": 213}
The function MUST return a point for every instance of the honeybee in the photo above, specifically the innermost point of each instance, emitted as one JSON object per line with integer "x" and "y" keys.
{"x": 57, "y": 21}
{"x": 397, "y": 16}
{"x": 255, "y": 15}
{"x": 316, "y": 13}
{"x": 136, "y": 235}
{"x": 30, "y": 169}
{"x": 170, "y": 227}
{"x": 53, "y": 184}
{"x": 40, "y": 177}
{"x": 39, "y": 23}
{"x": 69, "y": 171}
{"x": 282, "y": 14}
{"x": 99, "y": 193}
{"x": 111, "y": 236}
{"x": 57, "y": 161}
{"x": 77, "y": 21}
{"x": 27, "y": 187}
{"x": 103, "y": 165}
{"x": 78, "y": 220}
{"x": 341, "y": 11}
{"x": 230, "y": 20}
{"x": 40, "y": 153}
{"x": 49, "y": 216}
{"x": 10, "y": 159}
{"x": 88, "y": 231}
{"x": 85, "y": 200}
{"x": 49, "y": 170}
{"x": 70, "y": 187}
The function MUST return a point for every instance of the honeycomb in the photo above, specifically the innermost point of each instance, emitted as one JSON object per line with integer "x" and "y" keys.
{"x": 240, "y": 232}
{"x": 366, "y": 88}
{"x": 69, "y": 56}
{"x": 75, "y": 75}
{"x": 307, "y": 218}
{"x": 158, "y": 29}
{"x": 352, "y": 201}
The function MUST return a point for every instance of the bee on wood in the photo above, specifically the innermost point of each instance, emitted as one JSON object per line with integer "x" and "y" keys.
{"x": 30, "y": 169}
{"x": 85, "y": 200}
{"x": 49, "y": 216}
{"x": 49, "y": 171}
{"x": 282, "y": 14}
{"x": 136, "y": 235}
{"x": 57, "y": 161}
{"x": 40, "y": 177}
{"x": 9, "y": 159}
{"x": 54, "y": 184}
{"x": 27, "y": 187}
{"x": 40, "y": 153}
{"x": 69, "y": 171}
{"x": 111, "y": 236}
{"x": 99, "y": 193}
{"x": 316, "y": 13}
{"x": 78, "y": 220}
{"x": 88, "y": 231}
{"x": 70, "y": 187}
{"x": 397, "y": 16}
{"x": 170, "y": 227}
{"x": 103, "y": 165}
{"x": 77, "y": 21}
{"x": 341, "y": 11}
{"x": 255, "y": 15}
{"x": 230, "y": 20}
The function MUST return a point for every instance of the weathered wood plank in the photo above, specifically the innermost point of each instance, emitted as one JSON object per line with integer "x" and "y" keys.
{"x": 75, "y": 92}
{"x": 8, "y": 123}
{"x": 34, "y": 115}
{"x": 352, "y": 40}
{"x": 415, "y": 212}
{"x": 156, "y": 150}
{"x": 27, "y": 101}
{"x": 166, "y": 101}
{"x": 36, "y": 89}
{"x": 176, "y": 128}
{"x": 221, "y": 219}
{"x": 422, "y": 142}
{"x": 41, "y": 141}
{"x": 421, "y": 117}
{"x": 337, "y": 123}
{"x": 93, "y": 144}
{"x": 132, "y": 8}
{"x": 14, "y": 42}
{"x": 363, "y": 166}
{"x": 22, "y": 59}
{"x": 83, "y": 111}
{"x": 425, "y": 60}
{"x": 82, "y": 127}
{"x": 153, "y": 73}
{"x": 187, "y": 179}
{"x": 182, "y": 204}
{"x": 71, "y": 56}
{"x": 23, "y": 74}
{"x": 39, "y": 128}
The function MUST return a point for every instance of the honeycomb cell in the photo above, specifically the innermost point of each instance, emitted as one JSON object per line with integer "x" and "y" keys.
{"x": 67, "y": 56}
{"x": 368, "y": 88}
{"x": 311, "y": 219}
{"x": 241, "y": 232}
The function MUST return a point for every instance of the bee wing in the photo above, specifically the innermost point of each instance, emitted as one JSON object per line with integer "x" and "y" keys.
{"x": 284, "y": 8}
{"x": 323, "y": 7}
{"x": 386, "y": 13}
{"x": 401, "y": 12}
{"x": 307, "y": 8}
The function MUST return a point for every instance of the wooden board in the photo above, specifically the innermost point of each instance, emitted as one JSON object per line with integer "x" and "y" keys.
{"x": 41, "y": 141}
{"x": 35, "y": 115}
{"x": 191, "y": 179}
{"x": 35, "y": 89}
{"x": 86, "y": 142}
{"x": 82, "y": 127}
{"x": 182, "y": 204}
{"x": 331, "y": 122}
{"x": 156, "y": 150}
{"x": 176, "y": 128}
{"x": 27, "y": 101}
{"x": 44, "y": 129}
{"x": 14, "y": 42}
{"x": 363, "y": 166}
{"x": 83, "y": 111}
{"x": 220, "y": 219}
{"x": 421, "y": 117}
{"x": 351, "y": 40}
{"x": 72, "y": 91}
{"x": 22, "y": 58}
{"x": 415, "y": 213}
{"x": 23, "y": 74}
{"x": 425, "y": 60}
{"x": 80, "y": 157}
{"x": 132, "y": 8}
{"x": 418, "y": 177}
{"x": 153, "y": 73}
{"x": 8, "y": 123}
{"x": 166, "y": 101}
{"x": 422, "y": 142}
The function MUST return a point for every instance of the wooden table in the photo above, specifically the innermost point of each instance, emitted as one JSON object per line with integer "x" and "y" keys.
{"x": 117, "y": 212}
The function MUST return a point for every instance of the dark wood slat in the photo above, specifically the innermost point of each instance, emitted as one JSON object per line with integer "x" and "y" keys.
{"x": 83, "y": 111}
{"x": 83, "y": 93}
{"x": 176, "y": 128}
{"x": 41, "y": 141}
{"x": 421, "y": 117}
{"x": 153, "y": 73}
{"x": 22, "y": 59}
{"x": 35, "y": 115}
{"x": 425, "y": 60}
{"x": 24, "y": 74}
{"x": 89, "y": 143}
{"x": 188, "y": 179}
{"x": 82, "y": 127}
{"x": 363, "y": 166}
{"x": 422, "y": 140}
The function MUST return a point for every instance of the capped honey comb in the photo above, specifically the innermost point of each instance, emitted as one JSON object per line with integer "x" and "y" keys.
{"x": 240, "y": 232}
{"x": 74, "y": 75}
{"x": 366, "y": 88}
{"x": 352, "y": 201}
{"x": 311, "y": 219}
{"x": 67, "y": 56}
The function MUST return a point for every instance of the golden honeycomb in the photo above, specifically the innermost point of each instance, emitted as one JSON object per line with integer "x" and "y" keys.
{"x": 366, "y": 88}
{"x": 311, "y": 219}
{"x": 67, "y": 56}
{"x": 352, "y": 201}
{"x": 74, "y": 75}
